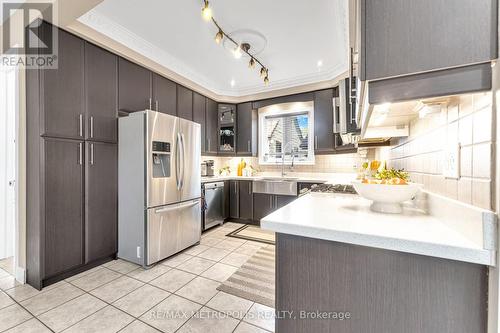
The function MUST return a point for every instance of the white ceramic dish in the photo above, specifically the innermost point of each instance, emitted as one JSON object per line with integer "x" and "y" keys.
{"x": 387, "y": 198}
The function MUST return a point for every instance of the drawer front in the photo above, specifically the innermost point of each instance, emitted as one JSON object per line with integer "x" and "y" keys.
{"x": 171, "y": 229}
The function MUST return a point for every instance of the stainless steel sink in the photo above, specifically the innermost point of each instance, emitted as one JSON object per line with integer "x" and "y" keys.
{"x": 276, "y": 185}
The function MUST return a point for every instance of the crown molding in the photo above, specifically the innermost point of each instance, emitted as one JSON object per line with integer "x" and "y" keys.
{"x": 180, "y": 72}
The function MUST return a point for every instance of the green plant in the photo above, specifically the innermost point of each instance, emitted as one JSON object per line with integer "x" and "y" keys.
{"x": 392, "y": 173}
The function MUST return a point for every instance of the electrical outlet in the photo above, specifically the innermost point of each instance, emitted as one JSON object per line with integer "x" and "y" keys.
{"x": 138, "y": 252}
{"x": 451, "y": 162}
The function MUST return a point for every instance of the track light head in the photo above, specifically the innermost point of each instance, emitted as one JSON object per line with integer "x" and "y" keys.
{"x": 206, "y": 12}
{"x": 266, "y": 80}
{"x": 263, "y": 72}
{"x": 219, "y": 36}
{"x": 251, "y": 63}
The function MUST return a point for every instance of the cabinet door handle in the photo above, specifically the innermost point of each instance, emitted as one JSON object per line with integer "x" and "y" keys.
{"x": 91, "y": 154}
{"x": 315, "y": 142}
{"x": 271, "y": 204}
{"x": 248, "y": 146}
{"x": 80, "y": 153}
{"x": 150, "y": 103}
{"x": 80, "y": 119}
{"x": 250, "y": 188}
{"x": 91, "y": 126}
{"x": 208, "y": 144}
{"x": 157, "y": 107}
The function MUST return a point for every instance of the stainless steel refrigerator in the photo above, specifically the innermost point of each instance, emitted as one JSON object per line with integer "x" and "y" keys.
{"x": 159, "y": 186}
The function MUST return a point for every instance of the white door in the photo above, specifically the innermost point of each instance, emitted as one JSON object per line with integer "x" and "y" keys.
{"x": 8, "y": 97}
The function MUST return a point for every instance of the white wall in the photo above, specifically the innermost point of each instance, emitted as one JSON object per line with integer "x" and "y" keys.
{"x": 8, "y": 101}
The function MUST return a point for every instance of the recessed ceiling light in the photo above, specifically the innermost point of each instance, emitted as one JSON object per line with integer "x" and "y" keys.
{"x": 233, "y": 83}
{"x": 319, "y": 63}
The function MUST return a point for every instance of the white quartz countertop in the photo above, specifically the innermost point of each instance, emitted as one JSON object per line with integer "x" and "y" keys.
{"x": 348, "y": 219}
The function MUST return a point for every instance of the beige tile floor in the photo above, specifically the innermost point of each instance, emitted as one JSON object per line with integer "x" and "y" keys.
{"x": 177, "y": 295}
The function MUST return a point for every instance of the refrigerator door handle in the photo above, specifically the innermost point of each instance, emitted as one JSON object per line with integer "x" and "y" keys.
{"x": 177, "y": 161}
{"x": 183, "y": 159}
{"x": 183, "y": 206}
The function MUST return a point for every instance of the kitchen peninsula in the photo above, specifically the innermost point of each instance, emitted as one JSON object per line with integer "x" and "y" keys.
{"x": 334, "y": 254}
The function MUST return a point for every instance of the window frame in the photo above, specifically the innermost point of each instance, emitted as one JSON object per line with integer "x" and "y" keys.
{"x": 286, "y": 109}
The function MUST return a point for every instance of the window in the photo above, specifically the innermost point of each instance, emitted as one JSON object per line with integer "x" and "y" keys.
{"x": 285, "y": 131}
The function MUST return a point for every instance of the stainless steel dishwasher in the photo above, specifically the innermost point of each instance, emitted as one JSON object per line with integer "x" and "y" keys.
{"x": 213, "y": 194}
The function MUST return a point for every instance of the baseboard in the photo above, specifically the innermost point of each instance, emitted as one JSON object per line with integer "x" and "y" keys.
{"x": 20, "y": 275}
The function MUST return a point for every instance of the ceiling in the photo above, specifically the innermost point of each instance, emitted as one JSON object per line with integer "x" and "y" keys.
{"x": 172, "y": 33}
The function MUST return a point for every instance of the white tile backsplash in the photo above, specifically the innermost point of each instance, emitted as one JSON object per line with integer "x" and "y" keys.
{"x": 465, "y": 130}
{"x": 467, "y": 121}
{"x": 341, "y": 163}
{"x": 481, "y": 160}
{"x": 466, "y": 161}
{"x": 482, "y": 125}
{"x": 465, "y": 190}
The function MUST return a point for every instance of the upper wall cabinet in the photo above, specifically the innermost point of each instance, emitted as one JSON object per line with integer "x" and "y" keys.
{"x": 323, "y": 122}
{"x": 134, "y": 82}
{"x": 101, "y": 81}
{"x": 184, "y": 103}
{"x": 400, "y": 37}
{"x": 62, "y": 90}
{"x": 211, "y": 126}
{"x": 164, "y": 95}
{"x": 199, "y": 116}
{"x": 246, "y": 120}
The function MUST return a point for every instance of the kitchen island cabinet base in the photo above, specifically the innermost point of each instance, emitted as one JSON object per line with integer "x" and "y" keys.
{"x": 383, "y": 291}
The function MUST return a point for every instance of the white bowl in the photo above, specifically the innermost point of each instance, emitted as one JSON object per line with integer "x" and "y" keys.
{"x": 387, "y": 198}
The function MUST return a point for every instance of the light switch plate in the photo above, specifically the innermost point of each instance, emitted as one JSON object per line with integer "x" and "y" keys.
{"x": 451, "y": 162}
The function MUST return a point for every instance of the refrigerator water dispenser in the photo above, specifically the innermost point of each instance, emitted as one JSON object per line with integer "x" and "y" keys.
{"x": 161, "y": 159}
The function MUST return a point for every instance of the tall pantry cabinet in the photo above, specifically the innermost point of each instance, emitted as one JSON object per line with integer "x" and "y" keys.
{"x": 72, "y": 162}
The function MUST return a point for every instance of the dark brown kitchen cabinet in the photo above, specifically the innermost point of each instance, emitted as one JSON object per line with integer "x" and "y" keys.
{"x": 199, "y": 116}
{"x": 245, "y": 198}
{"x": 407, "y": 37}
{"x": 246, "y": 121}
{"x": 234, "y": 199}
{"x": 63, "y": 204}
{"x": 62, "y": 90}
{"x": 283, "y": 200}
{"x": 164, "y": 95}
{"x": 101, "y": 94}
{"x": 323, "y": 122}
{"x": 211, "y": 127}
{"x": 263, "y": 204}
{"x": 71, "y": 128}
{"x": 101, "y": 200}
{"x": 314, "y": 274}
{"x": 134, "y": 87}
{"x": 184, "y": 103}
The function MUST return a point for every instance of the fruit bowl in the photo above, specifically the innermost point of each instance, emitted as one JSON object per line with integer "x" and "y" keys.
{"x": 387, "y": 198}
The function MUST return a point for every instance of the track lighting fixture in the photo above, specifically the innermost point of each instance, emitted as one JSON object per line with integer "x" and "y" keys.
{"x": 239, "y": 48}
{"x": 206, "y": 11}
{"x": 219, "y": 36}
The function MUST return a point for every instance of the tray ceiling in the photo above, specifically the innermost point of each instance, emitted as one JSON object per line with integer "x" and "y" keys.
{"x": 299, "y": 35}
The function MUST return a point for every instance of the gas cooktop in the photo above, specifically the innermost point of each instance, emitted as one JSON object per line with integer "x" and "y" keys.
{"x": 333, "y": 188}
